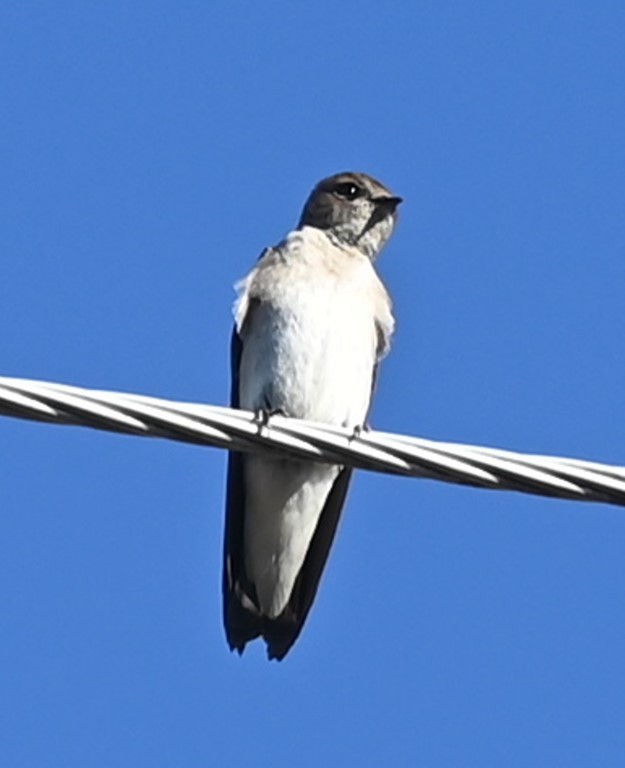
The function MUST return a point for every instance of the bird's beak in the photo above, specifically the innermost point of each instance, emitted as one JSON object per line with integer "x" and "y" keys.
{"x": 387, "y": 201}
{"x": 385, "y": 205}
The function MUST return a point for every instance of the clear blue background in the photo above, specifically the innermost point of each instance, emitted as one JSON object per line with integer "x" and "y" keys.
{"x": 149, "y": 151}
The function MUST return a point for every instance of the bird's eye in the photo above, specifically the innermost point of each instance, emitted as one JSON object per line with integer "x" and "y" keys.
{"x": 347, "y": 190}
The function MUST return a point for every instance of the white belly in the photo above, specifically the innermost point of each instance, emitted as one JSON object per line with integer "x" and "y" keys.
{"x": 312, "y": 357}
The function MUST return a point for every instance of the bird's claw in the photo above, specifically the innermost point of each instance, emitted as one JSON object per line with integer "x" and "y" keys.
{"x": 358, "y": 430}
{"x": 262, "y": 416}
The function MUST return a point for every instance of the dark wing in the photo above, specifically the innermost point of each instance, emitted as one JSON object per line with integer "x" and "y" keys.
{"x": 241, "y": 623}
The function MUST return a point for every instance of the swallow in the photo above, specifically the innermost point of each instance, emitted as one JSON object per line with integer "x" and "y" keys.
{"x": 312, "y": 322}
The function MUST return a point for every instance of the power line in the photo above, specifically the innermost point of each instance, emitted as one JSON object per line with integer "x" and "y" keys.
{"x": 371, "y": 450}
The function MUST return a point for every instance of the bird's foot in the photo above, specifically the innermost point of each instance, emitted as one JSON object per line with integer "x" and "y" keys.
{"x": 262, "y": 416}
{"x": 358, "y": 430}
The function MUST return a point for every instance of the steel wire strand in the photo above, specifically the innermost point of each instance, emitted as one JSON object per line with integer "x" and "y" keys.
{"x": 391, "y": 453}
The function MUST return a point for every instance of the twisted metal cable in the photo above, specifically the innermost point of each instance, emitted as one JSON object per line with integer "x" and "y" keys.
{"x": 378, "y": 451}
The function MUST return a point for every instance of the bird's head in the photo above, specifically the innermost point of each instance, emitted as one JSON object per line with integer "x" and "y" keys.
{"x": 353, "y": 209}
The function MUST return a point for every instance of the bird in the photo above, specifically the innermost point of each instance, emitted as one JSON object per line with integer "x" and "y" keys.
{"x": 312, "y": 320}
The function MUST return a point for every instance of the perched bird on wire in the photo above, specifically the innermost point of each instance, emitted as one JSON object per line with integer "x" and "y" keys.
{"x": 312, "y": 321}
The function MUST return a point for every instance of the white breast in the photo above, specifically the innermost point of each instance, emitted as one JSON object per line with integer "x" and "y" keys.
{"x": 310, "y": 346}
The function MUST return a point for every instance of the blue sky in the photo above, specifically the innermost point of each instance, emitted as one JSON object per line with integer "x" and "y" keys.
{"x": 149, "y": 151}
